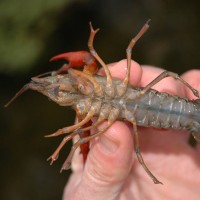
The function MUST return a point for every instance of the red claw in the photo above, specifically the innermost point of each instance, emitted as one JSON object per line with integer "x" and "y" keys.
{"x": 77, "y": 59}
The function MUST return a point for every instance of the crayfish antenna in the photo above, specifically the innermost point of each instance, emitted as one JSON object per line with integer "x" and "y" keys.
{"x": 46, "y": 73}
{"x": 22, "y": 90}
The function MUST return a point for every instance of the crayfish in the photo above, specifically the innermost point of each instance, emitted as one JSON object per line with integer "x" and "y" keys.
{"x": 106, "y": 98}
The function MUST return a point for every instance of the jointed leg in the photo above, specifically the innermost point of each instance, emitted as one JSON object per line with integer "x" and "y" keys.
{"x": 122, "y": 87}
{"x": 196, "y": 136}
{"x": 84, "y": 148}
{"x": 54, "y": 156}
{"x": 109, "y": 85}
{"x": 166, "y": 74}
{"x": 97, "y": 87}
{"x": 103, "y": 115}
{"x": 114, "y": 112}
{"x": 81, "y": 130}
{"x": 76, "y": 126}
{"x": 67, "y": 163}
{"x": 94, "y": 53}
{"x": 139, "y": 155}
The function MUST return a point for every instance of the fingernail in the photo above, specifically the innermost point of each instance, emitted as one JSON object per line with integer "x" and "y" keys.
{"x": 108, "y": 143}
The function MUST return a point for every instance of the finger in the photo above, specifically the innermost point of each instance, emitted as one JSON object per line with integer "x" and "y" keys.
{"x": 108, "y": 165}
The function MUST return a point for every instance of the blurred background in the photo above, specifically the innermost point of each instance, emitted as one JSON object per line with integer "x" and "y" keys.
{"x": 31, "y": 32}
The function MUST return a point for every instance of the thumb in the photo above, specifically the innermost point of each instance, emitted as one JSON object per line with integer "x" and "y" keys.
{"x": 108, "y": 164}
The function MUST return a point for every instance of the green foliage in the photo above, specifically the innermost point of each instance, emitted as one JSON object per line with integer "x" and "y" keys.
{"x": 24, "y": 27}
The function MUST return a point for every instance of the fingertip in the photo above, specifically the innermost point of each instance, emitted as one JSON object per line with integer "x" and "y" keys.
{"x": 112, "y": 152}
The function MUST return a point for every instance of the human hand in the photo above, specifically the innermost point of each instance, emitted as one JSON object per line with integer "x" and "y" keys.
{"x": 112, "y": 170}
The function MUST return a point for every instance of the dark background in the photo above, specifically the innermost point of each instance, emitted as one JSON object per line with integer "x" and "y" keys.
{"x": 31, "y": 32}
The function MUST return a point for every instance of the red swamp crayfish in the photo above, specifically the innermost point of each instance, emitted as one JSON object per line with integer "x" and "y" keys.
{"x": 107, "y": 98}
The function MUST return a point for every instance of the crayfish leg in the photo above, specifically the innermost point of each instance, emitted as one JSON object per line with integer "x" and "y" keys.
{"x": 83, "y": 85}
{"x": 72, "y": 128}
{"x": 97, "y": 87}
{"x": 123, "y": 86}
{"x": 86, "y": 146}
{"x": 66, "y": 165}
{"x": 114, "y": 113}
{"x": 166, "y": 74}
{"x": 131, "y": 118}
{"x": 55, "y": 155}
{"x": 196, "y": 136}
{"x": 109, "y": 87}
{"x": 90, "y": 69}
{"x": 94, "y": 125}
{"x": 84, "y": 131}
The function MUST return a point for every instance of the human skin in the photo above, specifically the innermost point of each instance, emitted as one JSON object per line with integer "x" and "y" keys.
{"x": 112, "y": 170}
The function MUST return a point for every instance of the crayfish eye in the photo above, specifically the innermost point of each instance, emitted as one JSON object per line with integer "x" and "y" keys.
{"x": 81, "y": 87}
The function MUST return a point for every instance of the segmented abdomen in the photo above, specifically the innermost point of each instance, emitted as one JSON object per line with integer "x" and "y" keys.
{"x": 162, "y": 110}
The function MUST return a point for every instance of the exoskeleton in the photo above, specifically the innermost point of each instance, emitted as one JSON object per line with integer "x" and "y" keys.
{"x": 112, "y": 99}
